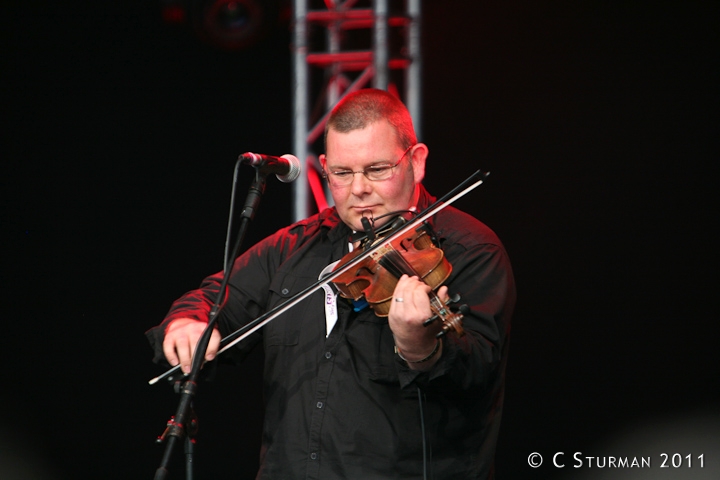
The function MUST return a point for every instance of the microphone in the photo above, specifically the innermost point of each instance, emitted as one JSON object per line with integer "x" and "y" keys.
{"x": 286, "y": 168}
{"x": 369, "y": 232}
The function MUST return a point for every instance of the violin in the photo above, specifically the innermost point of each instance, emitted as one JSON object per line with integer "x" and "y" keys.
{"x": 414, "y": 254}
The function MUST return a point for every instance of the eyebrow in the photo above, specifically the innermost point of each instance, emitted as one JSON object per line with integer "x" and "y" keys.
{"x": 376, "y": 163}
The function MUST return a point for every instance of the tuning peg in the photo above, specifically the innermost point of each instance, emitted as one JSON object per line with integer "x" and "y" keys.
{"x": 430, "y": 320}
{"x": 454, "y": 299}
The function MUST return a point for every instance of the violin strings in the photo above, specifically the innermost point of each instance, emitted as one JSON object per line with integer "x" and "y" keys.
{"x": 396, "y": 264}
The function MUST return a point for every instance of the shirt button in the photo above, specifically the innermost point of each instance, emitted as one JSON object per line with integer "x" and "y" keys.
{"x": 319, "y": 404}
{"x": 313, "y": 456}
{"x": 328, "y": 355}
{"x": 285, "y": 291}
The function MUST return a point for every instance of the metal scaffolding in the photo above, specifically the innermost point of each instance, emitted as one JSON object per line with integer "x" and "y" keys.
{"x": 340, "y": 47}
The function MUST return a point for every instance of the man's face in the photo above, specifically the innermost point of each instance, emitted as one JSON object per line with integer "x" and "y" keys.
{"x": 357, "y": 150}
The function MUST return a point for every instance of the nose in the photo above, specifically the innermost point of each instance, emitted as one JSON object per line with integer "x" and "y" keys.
{"x": 360, "y": 184}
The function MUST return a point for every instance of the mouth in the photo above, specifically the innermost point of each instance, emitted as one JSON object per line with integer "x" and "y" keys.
{"x": 362, "y": 210}
{"x": 366, "y": 213}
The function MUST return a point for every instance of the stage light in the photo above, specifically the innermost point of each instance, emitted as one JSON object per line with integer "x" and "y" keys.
{"x": 173, "y": 11}
{"x": 227, "y": 24}
{"x": 232, "y": 24}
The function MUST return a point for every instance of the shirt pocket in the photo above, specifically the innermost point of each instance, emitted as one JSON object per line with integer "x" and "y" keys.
{"x": 285, "y": 329}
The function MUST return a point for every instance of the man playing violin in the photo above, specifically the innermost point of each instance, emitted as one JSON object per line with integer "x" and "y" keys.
{"x": 349, "y": 394}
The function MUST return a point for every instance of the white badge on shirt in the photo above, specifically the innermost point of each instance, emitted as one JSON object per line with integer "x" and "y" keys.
{"x": 331, "y": 314}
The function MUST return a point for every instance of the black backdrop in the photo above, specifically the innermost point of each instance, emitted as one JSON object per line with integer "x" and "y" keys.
{"x": 598, "y": 121}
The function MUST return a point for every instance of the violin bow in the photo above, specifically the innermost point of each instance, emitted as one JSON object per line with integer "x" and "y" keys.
{"x": 466, "y": 186}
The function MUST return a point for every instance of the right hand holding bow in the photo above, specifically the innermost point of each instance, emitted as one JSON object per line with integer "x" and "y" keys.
{"x": 181, "y": 337}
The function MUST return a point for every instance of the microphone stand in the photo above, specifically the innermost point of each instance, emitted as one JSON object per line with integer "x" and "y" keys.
{"x": 184, "y": 424}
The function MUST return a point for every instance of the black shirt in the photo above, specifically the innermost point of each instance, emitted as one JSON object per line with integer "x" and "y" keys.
{"x": 346, "y": 406}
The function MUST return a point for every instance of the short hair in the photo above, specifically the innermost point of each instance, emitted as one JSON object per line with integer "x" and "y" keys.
{"x": 359, "y": 109}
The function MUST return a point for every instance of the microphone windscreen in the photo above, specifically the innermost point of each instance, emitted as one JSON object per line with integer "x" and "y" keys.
{"x": 295, "y": 169}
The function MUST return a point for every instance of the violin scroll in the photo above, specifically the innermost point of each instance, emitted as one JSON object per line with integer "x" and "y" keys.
{"x": 451, "y": 321}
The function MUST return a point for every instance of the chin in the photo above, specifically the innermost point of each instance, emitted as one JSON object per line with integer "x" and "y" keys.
{"x": 352, "y": 221}
{"x": 356, "y": 225}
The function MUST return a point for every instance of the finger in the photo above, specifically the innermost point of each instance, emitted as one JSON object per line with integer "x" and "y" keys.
{"x": 411, "y": 302}
{"x": 421, "y": 300}
{"x": 407, "y": 285}
{"x": 443, "y": 293}
{"x": 401, "y": 283}
{"x": 169, "y": 351}
{"x": 213, "y": 346}
{"x": 399, "y": 289}
{"x": 184, "y": 351}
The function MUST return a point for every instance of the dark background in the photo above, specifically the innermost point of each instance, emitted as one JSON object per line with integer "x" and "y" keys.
{"x": 598, "y": 121}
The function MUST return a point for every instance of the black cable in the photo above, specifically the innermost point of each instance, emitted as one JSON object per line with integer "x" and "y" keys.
{"x": 226, "y": 254}
{"x": 424, "y": 438}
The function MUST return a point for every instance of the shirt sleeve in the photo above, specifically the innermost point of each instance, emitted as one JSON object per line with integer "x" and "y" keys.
{"x": 482, "y": 276}
{"x": 246, "y": 298}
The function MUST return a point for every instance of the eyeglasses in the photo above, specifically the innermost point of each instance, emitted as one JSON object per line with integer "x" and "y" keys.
{"x": 374, "y": 173}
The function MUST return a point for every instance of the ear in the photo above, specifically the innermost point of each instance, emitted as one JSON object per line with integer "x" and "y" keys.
{"x": 419, "y": 155}
{"x": 322, "y": 160}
